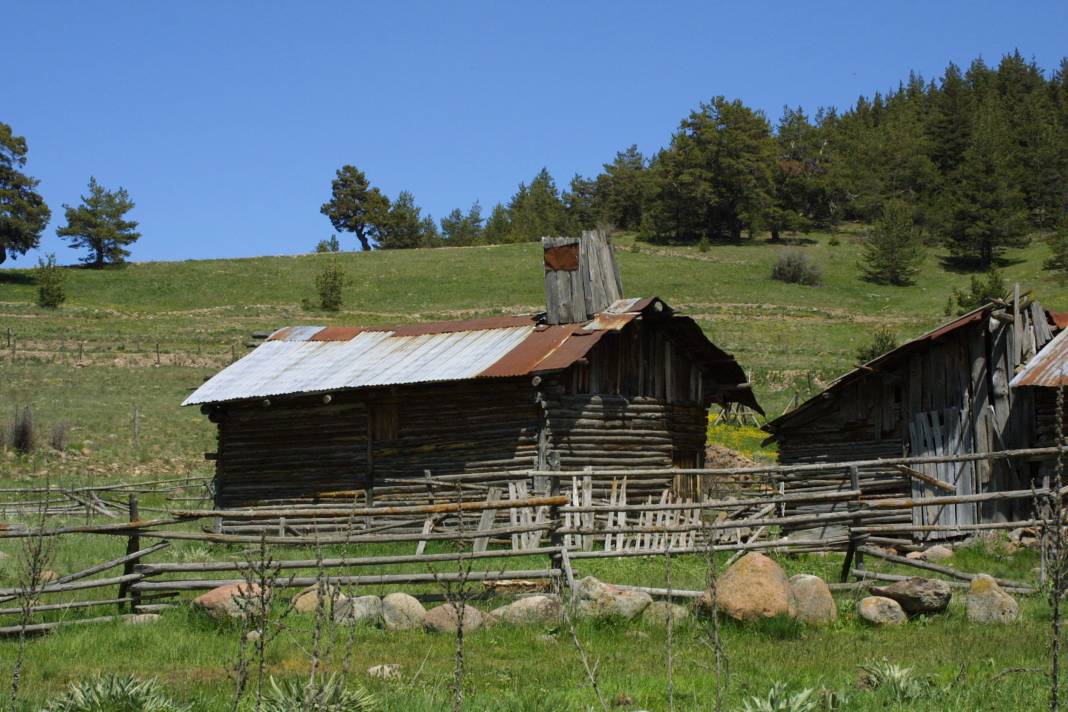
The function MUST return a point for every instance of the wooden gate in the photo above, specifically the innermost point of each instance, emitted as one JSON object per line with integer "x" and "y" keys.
{"x": 942, "y": 433}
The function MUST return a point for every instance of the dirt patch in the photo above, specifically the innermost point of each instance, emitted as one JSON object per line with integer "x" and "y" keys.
{"x": 719, "y": 457}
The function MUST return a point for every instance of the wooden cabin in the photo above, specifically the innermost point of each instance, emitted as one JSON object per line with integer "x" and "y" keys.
{"x": 596, "y": 380}
{"x": 943, "y": 393}
{"x": 1038, "y": 384}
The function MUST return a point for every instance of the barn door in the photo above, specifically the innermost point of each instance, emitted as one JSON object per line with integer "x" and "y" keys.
{"x": 942, "y": 433}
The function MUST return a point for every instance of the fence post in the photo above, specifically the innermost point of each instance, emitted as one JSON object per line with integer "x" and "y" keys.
{"x": 133, "y": 544}
{"x": 853, "y": 553}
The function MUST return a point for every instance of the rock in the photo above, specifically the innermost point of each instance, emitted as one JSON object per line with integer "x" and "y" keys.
{"x": 253, "y": 636}
{"x": 387, "y": 671}
{"x": 988, "y": 603}
{"x": 917, "y": 595}
{"x": 308, "y": 600}
{"x": 48, "y": 576}
{"x": 402, "y": 612}
{"x": 811, "y": 600}
{"x": 914, "y": 556}
{"x": 878, "y": 610}
{"x": 4, "y": 556}
{"x": 358, "y": 609}
{"x": 444, "y": 619}
{"x": 938, "y": 552}
{"x": 753, "y": 587}
{"x": 531, "y": 610}
{"x": 140, "y": 618}
{"x": 514, "y": 586}
{"x": 230, "y": 601}
{"x": 596, "y": 599}
{"x": 660, "y": 612}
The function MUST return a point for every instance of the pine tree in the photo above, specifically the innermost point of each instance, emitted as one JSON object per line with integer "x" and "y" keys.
{"x": 622, "y": 190}
{"x": 99, "y": 225}
{"x": 23, "y": 212}
{"x": 404, "y": 227}
{"x": 536, "y": 211}
{"x": 949, "y": 126}
{"x": 498, "y": 226}
{"x": 355, "y": 206}
{"x": 459, "y": 229}
{"x": 893, "y": 252}
{"x": 579, "y": 205}
{"x": 982, "y": 212}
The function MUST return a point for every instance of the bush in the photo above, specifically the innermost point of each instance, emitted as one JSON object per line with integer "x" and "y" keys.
{"x": 327, "y": 694}
{"x": 113, "y": 693}
{"x": 979, "y": 292}
{"x": 1058, "y": 246}
{"x": 900, "y": 683}
{"x": 51, "y": 290}
{"x": 23, "y": 435}
{"x": 703, "y": 245}
{"x": 331, "y": 245}
{"x": 330, "y": 283}
{"x": 779, "y": 699}
{"x": 882, "y": 340}
{"x": 60, "y": 436}
{"x": 796, "y": 267}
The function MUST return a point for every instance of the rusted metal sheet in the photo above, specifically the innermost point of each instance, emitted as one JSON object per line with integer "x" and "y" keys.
{"x": 1059, "y": 319}
{"x": 610, "y": 322}
{"x": 1047, "y": 369}
{"x": 562, "y": 257}
{"x": 528, "y": 355}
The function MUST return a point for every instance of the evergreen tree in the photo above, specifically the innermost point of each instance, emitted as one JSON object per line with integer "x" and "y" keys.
{"x": 579, "y": 205}
{"x": 23, "y": 212}
{"x": 621, "y": 190}
{"x": 893, "y": 252}
{"x": 949, "y": 127}
{"x": 99, "y": 225}
{"x": 982, "y": 212}
{"x": 355, "y": 206}
{"x": 498, "y": 226}
{"x": 460, "y": 229}
{"x": 404, "y": 226}
{"x": 537, "y": 211}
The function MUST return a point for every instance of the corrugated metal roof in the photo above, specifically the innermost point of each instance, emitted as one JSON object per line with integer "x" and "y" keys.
{"x": 1047, "y": 368}
{"x": 311, "y": 359}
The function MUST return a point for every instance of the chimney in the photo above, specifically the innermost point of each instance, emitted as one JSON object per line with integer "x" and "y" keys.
{"x": 581, "y": 277}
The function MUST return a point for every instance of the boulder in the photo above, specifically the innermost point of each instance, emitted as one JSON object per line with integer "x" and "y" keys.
{"x": 753, "y": 587}
{"x": 402, "y": 612}
{"x": 48, "y": 576}
{"x": 811, "y": 600}
{"x": 988, "y": 603}
{"x": 878, "y": 610}
{"x": 308, "y": 600}
{"x": 358, "y": 610}
{"x": 444, "y": 619}
{"x": 914, "y": 556}
{"x": 596, "y": 599}
{"x": 938, "y": 552}
{"x": 531, "y": 610}
{"x": 233, "y": 600}
{"x": 660, "y": 612}
{"x": 917, "y": 595}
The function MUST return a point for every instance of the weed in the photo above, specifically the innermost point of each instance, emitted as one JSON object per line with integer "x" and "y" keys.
{"x": 882, "y": 340}
{"x": 23, "y": 436}
{"x": 780, "y": 699}
{"x": 328, "y": 694}
{"x": 900, "y": 683}
{"x": 113, "y": 693}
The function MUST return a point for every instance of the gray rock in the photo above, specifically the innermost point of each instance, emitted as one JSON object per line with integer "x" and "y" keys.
{"x": 917, "y": 595}
{"x": 358, "y": 610}
{"x": 811, "y": 600}
{"x": 988, "y": 603}
{"x": 660, "y": 612}
{"x": 444, "y": 619}
{"x": 752, "y": 588}
{"x": 596, "y": 599}
{"x": 878, "y": 610}
{"x": 402, "y": 612}
{"x": 531, "y": 610}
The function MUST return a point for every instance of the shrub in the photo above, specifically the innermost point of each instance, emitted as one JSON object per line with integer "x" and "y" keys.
{"x": 835, "y": 241}
{"x": 703, "y": 245}
{"x": 796, "y": 267}
{"x": 329, "y": 694}
{"x": 900, "y": 683}
{"x": 60, "y": 436}
{"x": 882, "y": 340}
{"x": 330, "y": 282}
{"x": 23, "y": 435}
{"x": 113, "y": 693}
{"x": 331, "y": 245}
{"x": 1058, "y": 246}
{"x": 979, "y": 292}
{"x": 893, "y": 252}
{"x": 51, "y": 290}
{"x": 780, "y": 699}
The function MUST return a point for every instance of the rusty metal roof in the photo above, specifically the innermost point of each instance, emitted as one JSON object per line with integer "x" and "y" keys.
{"x": 1048, "y": 367}
{"x": 311, "y": 359}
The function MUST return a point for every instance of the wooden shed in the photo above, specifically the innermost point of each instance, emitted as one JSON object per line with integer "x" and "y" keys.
{"x": 943, "y": 393}
{"x": 595, "y": 380}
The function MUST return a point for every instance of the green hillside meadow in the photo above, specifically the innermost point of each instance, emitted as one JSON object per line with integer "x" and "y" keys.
{"x": 139, "y": 338}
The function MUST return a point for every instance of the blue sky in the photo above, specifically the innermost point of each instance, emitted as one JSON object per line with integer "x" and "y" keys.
{"x": 227, "y": 120}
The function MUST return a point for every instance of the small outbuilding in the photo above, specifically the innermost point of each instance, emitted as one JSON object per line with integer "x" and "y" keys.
{"x": 945, "y": 392}
{"x": 596, "y": 380}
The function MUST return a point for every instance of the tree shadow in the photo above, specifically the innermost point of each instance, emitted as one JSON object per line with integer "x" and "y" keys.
{"x": 10, "y": 276}
{"x": 971, "y": 265}
{"x": 793, "y": 241}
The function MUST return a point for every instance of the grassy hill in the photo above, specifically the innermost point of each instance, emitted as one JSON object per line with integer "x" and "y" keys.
{"x": 93, "y": 361}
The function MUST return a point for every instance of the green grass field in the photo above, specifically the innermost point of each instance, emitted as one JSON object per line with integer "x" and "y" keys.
{"x": 93, "y": 362}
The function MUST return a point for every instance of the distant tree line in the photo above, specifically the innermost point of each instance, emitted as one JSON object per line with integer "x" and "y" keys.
{"x": 975, "y": 161}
